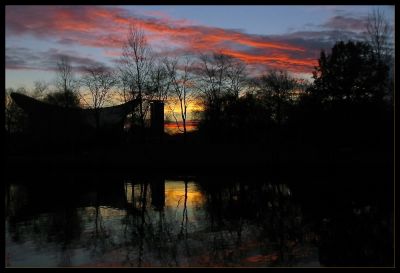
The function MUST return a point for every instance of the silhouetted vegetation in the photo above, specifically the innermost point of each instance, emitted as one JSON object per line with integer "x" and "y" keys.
{"x": 63, "y": 98}
{"x": 346, "y": 112}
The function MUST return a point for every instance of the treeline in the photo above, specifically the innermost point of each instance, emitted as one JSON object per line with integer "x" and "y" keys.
{"x": 347, "y": 106}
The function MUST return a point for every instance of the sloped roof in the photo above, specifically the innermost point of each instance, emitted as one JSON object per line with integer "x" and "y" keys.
{"x": 108, "y": 116}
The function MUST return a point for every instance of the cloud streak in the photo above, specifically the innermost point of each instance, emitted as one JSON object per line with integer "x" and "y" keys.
{"x": 106, "y": 28}
{"x": 346, "y": 23}
{"x": 21, "y": 58}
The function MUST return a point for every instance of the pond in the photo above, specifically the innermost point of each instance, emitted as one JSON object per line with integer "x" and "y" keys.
{"x": 184, "y": 221}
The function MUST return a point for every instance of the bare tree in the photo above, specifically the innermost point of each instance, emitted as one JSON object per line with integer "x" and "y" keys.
{"x": 212, "y": 76}
{"x": 237, "y": 77}
{"x": 126, "y": 89}
{"x": 159, "y": 82}
{"x": 380, "y": 37}
{"x": 41, "y": 87}
{"x": 99, "y": 81}
{"x": 220, "y": 75}
{"x": 65, "y": 81}
{"x": 136, "y": 67}
{"x": 380, "y": 34}
{"x": 220, "y": 80}
{"x": 213, "y": 85}
{"x": 181, "y": 86}
{"x": 276, "y": 89}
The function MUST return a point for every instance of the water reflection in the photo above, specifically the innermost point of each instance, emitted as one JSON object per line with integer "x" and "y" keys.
{"x": 153, "y": 221}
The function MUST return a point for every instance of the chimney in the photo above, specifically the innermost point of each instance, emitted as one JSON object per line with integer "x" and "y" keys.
{"x": 157, "y": 118}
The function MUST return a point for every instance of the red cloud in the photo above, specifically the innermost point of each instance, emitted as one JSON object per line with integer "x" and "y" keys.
{"x": 106, "y": 27}
{"x": 280, "y": 61}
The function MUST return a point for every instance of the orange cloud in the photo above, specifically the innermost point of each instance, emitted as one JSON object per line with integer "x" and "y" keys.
{"x": 106, "y": 27}
{"x": 281, "y": 61}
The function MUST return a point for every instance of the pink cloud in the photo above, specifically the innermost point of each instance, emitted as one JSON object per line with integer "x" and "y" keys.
{"x": 106, "y": 27}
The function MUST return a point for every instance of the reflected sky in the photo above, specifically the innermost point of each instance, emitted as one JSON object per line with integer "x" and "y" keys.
{"x": 169, "y": 223}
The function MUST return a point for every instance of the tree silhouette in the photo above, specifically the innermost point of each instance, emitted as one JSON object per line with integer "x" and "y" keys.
{"x": 276, "y": 89}
{"x": 41, "y": 87}
{"x": 158, "y": 86}
{"x": 220, "y": 80}
{"x": 64, "y": 99}
{"x": 344, "y": 109}
{"x": 349, "y": 73}
{"x": 380, "y": 35}
{"x": 99, "y": 81}
{"x": 181, "y": 85}
{"x": 65, "y": 83}
{"x": 136, "y": 67}
{"x": 380, "y": 38}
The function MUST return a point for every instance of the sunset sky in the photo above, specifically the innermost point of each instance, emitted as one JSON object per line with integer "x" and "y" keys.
{"x": 265, "y": 37}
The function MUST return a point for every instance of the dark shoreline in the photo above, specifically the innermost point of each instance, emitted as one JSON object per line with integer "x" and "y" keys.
{"x": 224, "y": 161}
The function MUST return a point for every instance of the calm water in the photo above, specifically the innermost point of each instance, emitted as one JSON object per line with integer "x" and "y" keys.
{"x": 183, "y": 222}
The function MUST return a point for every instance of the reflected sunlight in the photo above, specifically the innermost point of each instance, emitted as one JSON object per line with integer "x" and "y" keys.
{"x": 175, "y": 194}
